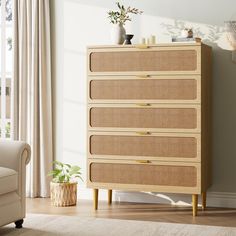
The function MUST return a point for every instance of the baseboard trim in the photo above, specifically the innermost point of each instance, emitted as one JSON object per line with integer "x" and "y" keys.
{"x": 214, "y": 199}
{"x": 222, "y": 199}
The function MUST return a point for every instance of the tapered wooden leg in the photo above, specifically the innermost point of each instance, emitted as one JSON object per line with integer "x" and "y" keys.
{"x": 203, "y": 200}
{"x": 195, "y": 204}
{"x": 109, "y": 196}
{"x": 95, "y": 199}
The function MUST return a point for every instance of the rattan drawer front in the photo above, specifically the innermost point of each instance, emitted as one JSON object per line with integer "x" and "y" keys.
{"x": 157, "y": 146}
{"x": 153, "y": 59}
{"x": 143, "y": 174}
{"x": 144, "y": 89}
{"x": 132, "y": 117}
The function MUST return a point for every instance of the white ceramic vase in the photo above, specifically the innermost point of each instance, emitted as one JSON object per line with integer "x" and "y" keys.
{"x": 118, "y": 34}
{"x": 184, "y": 33}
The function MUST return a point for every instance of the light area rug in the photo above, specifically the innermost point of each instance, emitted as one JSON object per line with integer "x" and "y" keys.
{"x": 50, "y": 225}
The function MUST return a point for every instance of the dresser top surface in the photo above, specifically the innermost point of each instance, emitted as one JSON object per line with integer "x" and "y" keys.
{"x": 174, "y": 44}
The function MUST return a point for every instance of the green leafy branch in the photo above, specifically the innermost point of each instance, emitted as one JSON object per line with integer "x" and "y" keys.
{"x": 64, "y": 173}
{"x": 123, "y": 14}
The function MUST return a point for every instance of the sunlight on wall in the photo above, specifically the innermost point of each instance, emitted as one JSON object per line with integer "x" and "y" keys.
{"x": 164, "y": 28}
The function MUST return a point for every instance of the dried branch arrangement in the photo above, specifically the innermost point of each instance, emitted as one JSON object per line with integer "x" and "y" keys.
{"x": 123, "y": 14}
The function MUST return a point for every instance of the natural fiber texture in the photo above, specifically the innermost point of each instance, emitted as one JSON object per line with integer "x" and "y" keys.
{"x": 50, "y": 225}
{"x": 176, "y": 118}
{"x": 185, "y": 147}
{"x": 63, "y": 194}
{"x": 168, "y": 60}
{"x": 185, "y": 176}
{"x": 176, "y": 89}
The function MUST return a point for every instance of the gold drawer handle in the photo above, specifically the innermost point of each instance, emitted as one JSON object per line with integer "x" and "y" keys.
{"x": 143, "y": 104}
{"x": 143, "y": 76}
{"x": 141, "y": 46}
{"x": 143, "y": 161}
{"x": 144, "y": 133}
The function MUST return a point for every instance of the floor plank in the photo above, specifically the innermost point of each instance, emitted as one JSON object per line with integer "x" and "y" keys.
{"x": 136, "y": 211}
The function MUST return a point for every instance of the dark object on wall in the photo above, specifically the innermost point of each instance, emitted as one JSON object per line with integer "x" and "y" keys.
{"x": 128, "y": 38}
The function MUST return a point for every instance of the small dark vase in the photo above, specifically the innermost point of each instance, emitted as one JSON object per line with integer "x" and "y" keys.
{"x": 128, "y": 38}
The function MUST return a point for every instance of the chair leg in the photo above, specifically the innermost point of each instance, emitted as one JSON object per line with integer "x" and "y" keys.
{"x": 19, "y": 224}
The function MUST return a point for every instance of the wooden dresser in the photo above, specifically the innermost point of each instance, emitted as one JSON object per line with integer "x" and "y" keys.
{"x": 149, "y": 120}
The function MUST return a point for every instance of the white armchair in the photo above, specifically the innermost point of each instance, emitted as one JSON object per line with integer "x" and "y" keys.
{"x": 14, "y": 156}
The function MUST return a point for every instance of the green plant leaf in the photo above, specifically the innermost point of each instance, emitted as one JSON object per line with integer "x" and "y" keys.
{"x": 61, "y": 178}
{"x": 63, "y": 173}
{"x": 68, "y": 165}
{"x": 118, "y": 4}
{"x": 58, "y": 163}
{"x": 67, "y": 178}
{"x": 122, "y": 15}
{"x": 74, "y": 170}
{"x": 54, "y": 172}
{"x": 78, "y": 176}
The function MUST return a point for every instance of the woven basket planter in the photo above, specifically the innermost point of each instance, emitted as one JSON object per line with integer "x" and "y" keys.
{"x": 63, "y": 194}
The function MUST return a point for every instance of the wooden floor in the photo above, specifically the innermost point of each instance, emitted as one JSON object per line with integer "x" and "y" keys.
{"x": 133, "y": 211}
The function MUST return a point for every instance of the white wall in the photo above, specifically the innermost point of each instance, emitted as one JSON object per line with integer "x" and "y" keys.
{"x": 79, "y": 23}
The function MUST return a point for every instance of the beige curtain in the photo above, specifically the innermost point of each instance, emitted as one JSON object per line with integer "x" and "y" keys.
{"x": 32, "y": 78}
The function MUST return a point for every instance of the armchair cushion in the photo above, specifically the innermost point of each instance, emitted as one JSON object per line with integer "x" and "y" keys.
{"x": 8, "y": 180}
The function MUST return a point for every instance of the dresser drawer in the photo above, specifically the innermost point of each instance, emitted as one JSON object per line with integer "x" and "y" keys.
{"x": 154, "y": 176}
{"x": 154, "y": 146}
{"x": 152, "y": 60}
{"x": 144, "y": 117}
{"x": 167, "y": 89}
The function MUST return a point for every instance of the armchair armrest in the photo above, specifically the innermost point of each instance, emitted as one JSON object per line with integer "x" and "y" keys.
{"x": 14, "y": 154}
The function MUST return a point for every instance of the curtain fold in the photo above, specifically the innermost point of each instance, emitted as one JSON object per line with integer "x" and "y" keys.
{"x": 32, "y": 89}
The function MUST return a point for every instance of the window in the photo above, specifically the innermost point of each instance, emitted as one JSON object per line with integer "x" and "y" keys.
{"x": 6, "y": 67}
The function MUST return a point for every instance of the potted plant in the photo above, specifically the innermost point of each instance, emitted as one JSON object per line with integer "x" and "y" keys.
{"x": 63, "y": 186}
{"x": 118, "y": 19}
